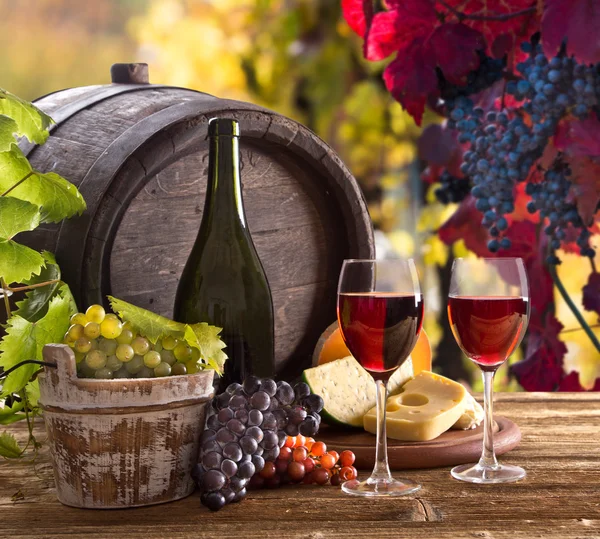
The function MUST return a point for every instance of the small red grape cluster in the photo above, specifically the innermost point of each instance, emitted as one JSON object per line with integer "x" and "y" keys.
{"x": 304, "y": 460}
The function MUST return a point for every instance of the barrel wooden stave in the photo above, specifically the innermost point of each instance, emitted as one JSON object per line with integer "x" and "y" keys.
{"x": 140, "y": 160}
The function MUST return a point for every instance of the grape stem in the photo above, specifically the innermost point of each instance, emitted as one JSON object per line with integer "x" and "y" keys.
{"x": 563, "y": 292}
{"x": 31, "y": 286}
{"x": 5, "y": 289}
{"x": 18, "y": 183}
{"x": 475, "y": 17}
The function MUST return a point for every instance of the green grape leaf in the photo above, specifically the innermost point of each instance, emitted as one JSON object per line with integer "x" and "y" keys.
{"x": 10, "y": 419}
{"x": 206, "y": 338}
{"x": 58, "y": 199}
{"x": 67, "y": 296}
{"x": 35, "y": 304}
{"x": 10, "y": 414}
{"x": 25, "y": 340}
{"x": 17, "y": 262}
{"x": 16, "y": 216}
{"x": 9, "y": 447}
{"x": 151, "y": 325}
{"x": 31, "y": 122}
{"x": 8, "y": 128}
{"x": 32, "y": 389}
{"x": 202, "y": 336}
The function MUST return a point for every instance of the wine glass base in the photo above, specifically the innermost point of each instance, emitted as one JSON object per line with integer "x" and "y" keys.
{"x": 474, "y": 473}
{"x": 380, "y": 487}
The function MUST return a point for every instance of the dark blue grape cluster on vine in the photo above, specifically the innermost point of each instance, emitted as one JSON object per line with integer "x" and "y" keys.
{"x": 503, "y": 146}
{"x": 550, "y": 198}
{"x": 554, "y": 87}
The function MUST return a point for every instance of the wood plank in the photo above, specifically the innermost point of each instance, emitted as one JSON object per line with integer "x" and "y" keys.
{"x": 55, "y": 100}
{"x": 559, "y": 498}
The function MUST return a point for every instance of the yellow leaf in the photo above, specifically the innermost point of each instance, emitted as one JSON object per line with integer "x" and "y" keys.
{"x": 434, "y": 251}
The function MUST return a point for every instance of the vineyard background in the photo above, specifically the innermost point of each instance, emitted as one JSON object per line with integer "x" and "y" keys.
{"x": 300, "y": 58}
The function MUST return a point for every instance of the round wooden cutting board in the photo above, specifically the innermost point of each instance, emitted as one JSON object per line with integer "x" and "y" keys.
{"x": 450, "y": 448}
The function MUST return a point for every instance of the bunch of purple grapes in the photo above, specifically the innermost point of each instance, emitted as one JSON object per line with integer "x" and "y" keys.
{"x": 503, "y": 148}
{"x": 246, "y": 426}
{"x": 551, "y": 199}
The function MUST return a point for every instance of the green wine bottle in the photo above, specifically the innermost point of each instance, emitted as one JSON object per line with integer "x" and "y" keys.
{"x": 223, "y": 282}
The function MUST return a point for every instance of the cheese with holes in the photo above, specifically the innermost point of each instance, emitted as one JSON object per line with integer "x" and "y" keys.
{"x": 428, "y": 405}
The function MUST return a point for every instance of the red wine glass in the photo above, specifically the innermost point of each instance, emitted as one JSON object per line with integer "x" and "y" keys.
{"x": 380, "y": 313}
{"x": 488, "y": 309}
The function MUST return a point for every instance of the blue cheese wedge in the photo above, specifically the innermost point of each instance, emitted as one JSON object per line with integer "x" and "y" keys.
{"x": 428, "y": 405}
{"x": 348, "y": 390}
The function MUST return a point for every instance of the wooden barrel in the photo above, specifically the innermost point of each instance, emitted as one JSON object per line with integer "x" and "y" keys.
{"x": 138, "y": 153}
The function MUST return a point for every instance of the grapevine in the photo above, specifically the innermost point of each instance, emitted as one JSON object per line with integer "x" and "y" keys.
{"x": 520, "y": 97}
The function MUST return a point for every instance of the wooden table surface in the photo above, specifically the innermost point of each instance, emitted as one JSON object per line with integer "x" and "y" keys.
{"x": 560, "y": 497}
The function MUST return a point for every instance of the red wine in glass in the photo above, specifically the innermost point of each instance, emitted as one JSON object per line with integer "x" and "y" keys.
{"x": 380, "y": 313}
{"x": 488, "y": 310}
{"x": 489, "y": 328}
{"x": 380, "y": 329}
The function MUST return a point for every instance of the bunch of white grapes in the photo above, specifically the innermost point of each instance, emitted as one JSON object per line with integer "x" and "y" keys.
{"x": 107, "y": 348}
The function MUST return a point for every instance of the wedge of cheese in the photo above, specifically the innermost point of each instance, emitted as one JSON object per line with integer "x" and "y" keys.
{"x": 428, "y": 405}
{"x": 348, "y": 390}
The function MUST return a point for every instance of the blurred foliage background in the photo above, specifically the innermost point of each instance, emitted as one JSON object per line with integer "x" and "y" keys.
{"x": 297, "y": 57}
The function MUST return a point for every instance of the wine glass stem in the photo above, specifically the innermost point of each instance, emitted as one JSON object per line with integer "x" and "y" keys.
{"x": 381, "y": 472}
{"x": 488, "y": 456}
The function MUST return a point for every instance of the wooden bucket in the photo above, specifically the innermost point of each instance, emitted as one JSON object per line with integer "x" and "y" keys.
{"x": 138, "y": 153}
{"x": 121, "y": 443}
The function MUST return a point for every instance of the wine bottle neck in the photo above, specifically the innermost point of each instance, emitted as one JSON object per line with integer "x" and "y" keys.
{"x": 224, "y": 189}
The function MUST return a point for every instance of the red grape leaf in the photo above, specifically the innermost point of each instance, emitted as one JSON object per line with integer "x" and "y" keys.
{"x": 384, "y": 36}
{"x": 579, "y": 137}
{"x": 580, "y": 140}
{"x": 502, "y": 45}
{"x": 577, "y": 21}
{"x": 465, "y": 223}
{"x": 455, "y": 46}
{"x": 410, "y": 77}
{"x": 523, "y": 237}
{"x": 520, "y": 27}
{"x": 571, "y": 383}
{"x": 549, "y": 155}
{"x": 585, "y": 178}
{"x": 437, "y": 144}
{"x": 413, "y": 7}
{"x": 541, "y": 285}
{"x": 591, "y": 294}
{"x": 395, "y": 30}
{"x": 542, "y": 368}
{"x": 355, "y": 12}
